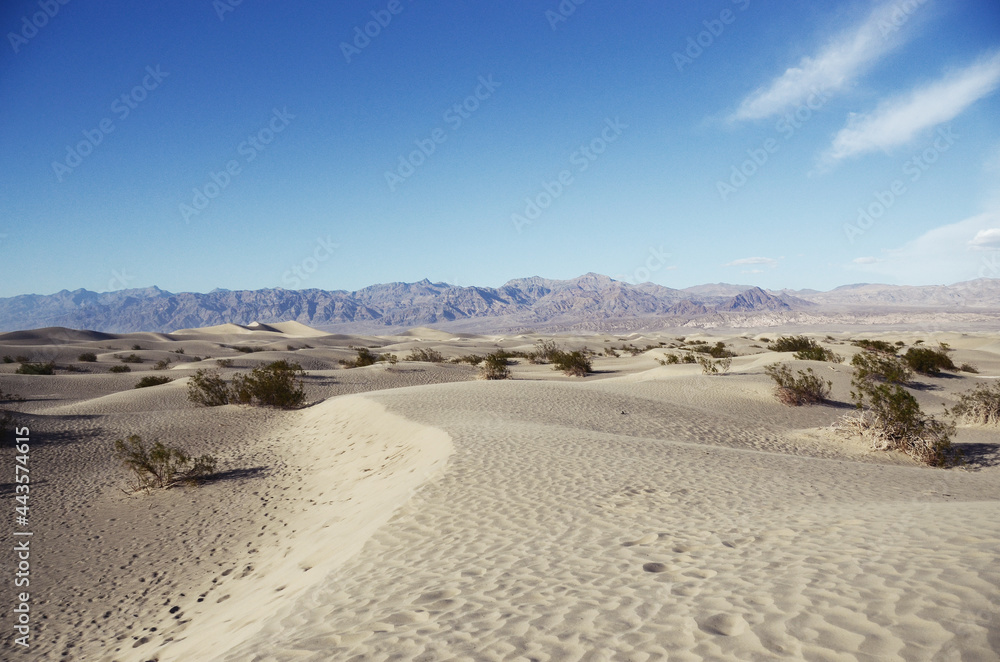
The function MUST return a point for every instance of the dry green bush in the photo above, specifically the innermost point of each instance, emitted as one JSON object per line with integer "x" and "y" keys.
{"x": 36, "y": 368}
{"x": 365, "y": 357}
{"x": 119, "y": 368}
{"x": 878, "y": 366}
{"x": 876, "y": 345}
{"x": 153, "y": 380}
{"x": 807, "y": 388}
{"x": 160, "y": 466}
{"x": 980, "y": 406}
{"x": 544, "y": 351}
{"x": 791, "y": 344}
{"x": 890, "y": 418}
{"x": 716, "y": 351}
{"x": 208, "y": 388}
{"x": 495, "y": 366}
{"x": 716, "y": 367}
{"x": 818, "y": 353}
{"x": 575, "y": 364}
{"x": 669, "y": 359}
{"x": 277, "y": 384}
{"x": 424, "y": 355}
{"x": 928, "y": 361}
{"x": 87, "y": 357}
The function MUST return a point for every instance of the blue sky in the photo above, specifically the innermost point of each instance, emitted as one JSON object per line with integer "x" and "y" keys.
{"x": 197, "y": 144}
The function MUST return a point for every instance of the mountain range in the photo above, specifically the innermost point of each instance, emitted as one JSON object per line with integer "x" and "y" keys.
{"x": 591, "y": 302}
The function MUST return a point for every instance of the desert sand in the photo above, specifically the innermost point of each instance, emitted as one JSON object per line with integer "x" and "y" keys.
{"x": 416, "y": 512}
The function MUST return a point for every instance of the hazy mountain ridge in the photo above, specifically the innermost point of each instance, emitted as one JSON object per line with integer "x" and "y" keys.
{"x": 591, "y": 302}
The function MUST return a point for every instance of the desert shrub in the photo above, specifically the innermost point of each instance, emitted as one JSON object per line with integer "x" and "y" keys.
{"x": 495, "y": 366}
{"x": 980, "y": 406}
{"x": 87, "y": 357}
{"x": 137, "y": 348}
{"x": 610, "y": 351}
{"x": 890, "y": 418}
{"x": 160, "y": 466}
{"x": 764, "y": 339}
{"x": 575, "y": 364}
{"x": 818, "y": 353}
{"x": 875, "y": 345}
{"x": 879, "y": 366}
{"x": 791, "y": 344}
{"x": 162, "y": 364}
{"x": 471, "y": 359}
{"x": 179, "y": 350}
{"x": 719, "y": 351}
{"x": 21, "y": 358}
{"x": 276, "y": 384}
{"x": 899, "y": 343}
{"x": 365, "y": 357}
{"x": 131, "y": 358}
{"x": 669, "y": 359}
{"x": 803, "y": 388}
{"x": 391, "y": 359}
{"x": 153, "y": 380}
{"x": 8, "y": 358}
{"x": 224, "y": 363}
{"x": 968, "y": 367}
{"x": 688, "y": 357}
{"x": 714, "y": 367}
{"x": 208, "y": 388}
{"x": 36, "y": 368}
{"x": 248, "y": 350}
{"x": 543, "y": 353}
{"x": 119, "y": 368}
{"x": 928, "y": 361}
{"x": 508, "y": 355}
{"x": 425, "y": 355}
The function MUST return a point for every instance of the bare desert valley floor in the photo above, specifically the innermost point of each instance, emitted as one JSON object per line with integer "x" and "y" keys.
{"x": 413, "y": 511}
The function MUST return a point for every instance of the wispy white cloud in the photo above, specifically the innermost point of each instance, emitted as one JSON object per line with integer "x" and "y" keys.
{"x": 744, "y": 261}
{"x": 986, "y": 240}
{"x": 947, "y": 254}
{"x": 865, "y": 260}
{"x": 896, "y": 121}
{"x": 835, "y": 66}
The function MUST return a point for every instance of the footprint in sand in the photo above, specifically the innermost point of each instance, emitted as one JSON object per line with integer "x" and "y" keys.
{"x": 727, "y": 625}
{"x": 645, "y": 540}
{"x": 434, "y": 596}
{"x": 700, "y": 573}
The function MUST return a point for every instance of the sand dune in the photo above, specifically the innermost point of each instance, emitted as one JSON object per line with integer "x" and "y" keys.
{"x": 413, "y": 512}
